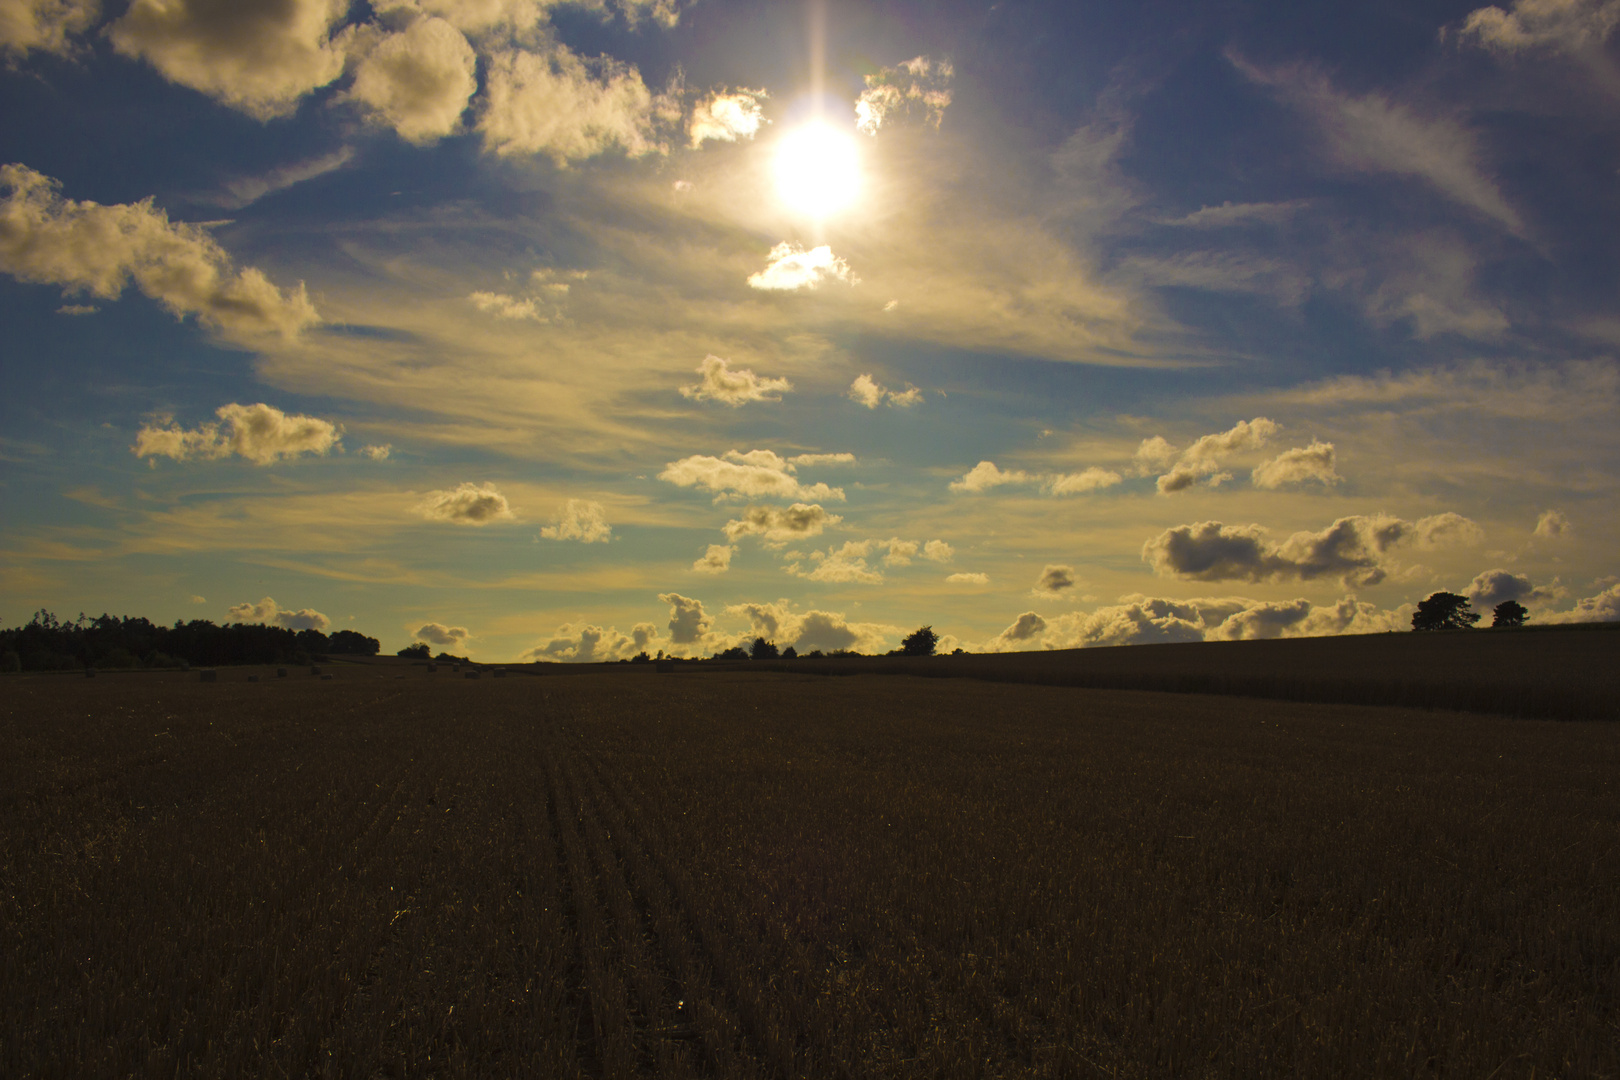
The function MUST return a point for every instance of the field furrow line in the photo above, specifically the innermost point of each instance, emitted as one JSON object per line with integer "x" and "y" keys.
{"x": 743, "y": 1030}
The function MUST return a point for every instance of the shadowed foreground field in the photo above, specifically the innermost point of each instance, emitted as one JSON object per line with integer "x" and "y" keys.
{"x": 748, "y": 874}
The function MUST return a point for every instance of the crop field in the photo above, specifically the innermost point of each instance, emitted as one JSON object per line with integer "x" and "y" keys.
{"x": 394, "y": 873}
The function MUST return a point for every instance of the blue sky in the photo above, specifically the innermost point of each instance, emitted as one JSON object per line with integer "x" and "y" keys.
{"x": 560, "y": 331}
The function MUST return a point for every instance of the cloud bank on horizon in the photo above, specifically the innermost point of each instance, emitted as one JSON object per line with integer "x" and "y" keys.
{"x": 572, "y": 331}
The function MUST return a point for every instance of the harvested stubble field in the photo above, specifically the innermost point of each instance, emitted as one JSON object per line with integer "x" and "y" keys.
{"x": 766, "y": 874}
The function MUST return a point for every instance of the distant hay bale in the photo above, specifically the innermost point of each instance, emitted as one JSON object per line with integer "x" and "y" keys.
{"x": 208, "y": 675}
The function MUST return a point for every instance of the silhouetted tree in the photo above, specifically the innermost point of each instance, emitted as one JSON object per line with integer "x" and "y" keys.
{"x": 920, "y": 642}
{"x": 1444, "y": 611}
{"x": 419, "y": 651}
{"x": 736, "y": 652}
{"x": 351, "y": 643}
{"x": 641, "y": 658}
{"x": 790, "y": 653}
{"x": 763, "y": 650}
{"x": 1507, "y": 614}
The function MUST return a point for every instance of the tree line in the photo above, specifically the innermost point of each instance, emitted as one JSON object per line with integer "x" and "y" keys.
{"x": 1448, "y": 611}
{"x": 47, "y": 643}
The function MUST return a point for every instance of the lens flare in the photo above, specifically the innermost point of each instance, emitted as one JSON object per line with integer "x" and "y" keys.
{"x": 818, "y": 170}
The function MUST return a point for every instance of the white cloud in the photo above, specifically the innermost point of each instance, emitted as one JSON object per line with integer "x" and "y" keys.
{"x": 777, "y": 527}
{"x": 1572, "y": 26}
{"x": 726, "y": 116}
{"x": 1352, "y": 548}
{"x": 734, "y": 388}
{"x": 1202, "y": 460}
{"x": 821, "y": 459}
{"x": 1026, "y": 628}
{"x": 985, "y": 475}
{"x": 1552, "y": 525}
{"x": 790, "y": 267}
{"x": 270, "y": 613}
{"x": 1154, "y": 455}
{"x": 688, "y": 622}
{"x": 968, "y": 579}
{"x": 377, "y": 451}
{"x": 1055, "y": 580}
{"x": 584, "y": 643}
{"x": 261, "y": 433}
{"x": 1083, "y": 482}
{"x": 938, "y": 551}
{"x": 580, "y": 520}
{"x": 247, "y": 190}
{"x": 446, "y": 637}
{"x": 88, "y": 247}
{"x": 917, "y": 88}
{"x": 258, "y": 56}
{"x": 871, "y": 393}
{"x": 1493, "y": 587}
{"x": 1296, "y": 466}
{"x": 466, "y": 504}
{"x": 841, "y": 565}
{"x": 1604, "y": 607}
{"x": 1230, "y": 214}
{"x": 901, "y": 552}
{"x": 754, "y": 474}
{"x": 1374, "y": 134}
{"x": 506, "y": 306}
{"x": 716, "y": 560}
{"x": 417, "y": 81}
{"x": 824, "y": 630}
{"x": 43, "y": 25}
{"x": 568, "y": 108}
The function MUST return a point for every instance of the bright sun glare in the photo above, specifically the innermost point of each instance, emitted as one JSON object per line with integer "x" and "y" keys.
{"x": 817, "y": 170}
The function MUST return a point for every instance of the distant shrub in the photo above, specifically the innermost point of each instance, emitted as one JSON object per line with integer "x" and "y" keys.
{"x": 419, "y": 651}
{"x": 815, "y": 654}
{"x": 118, "y": 658}
{"x": 920, "y": 642}
{"x": 790, "y": 653}
{"x": 641, "y": 658}
{"x": 763, "y": 650}
{"x": 1508, "y": 614}
{"x": 351, "y": 643}
{"x": 736, "y": 652}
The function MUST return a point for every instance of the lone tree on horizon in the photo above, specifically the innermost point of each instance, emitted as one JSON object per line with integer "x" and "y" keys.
{"x": 763, "y": 650}
{"x": 1444, "y": 611}
{"x": 1508, "y": 614}
{"x": 920, "y": 642}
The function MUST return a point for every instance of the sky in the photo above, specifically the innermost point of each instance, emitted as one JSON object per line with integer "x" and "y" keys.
{"x": 565, "y": 331}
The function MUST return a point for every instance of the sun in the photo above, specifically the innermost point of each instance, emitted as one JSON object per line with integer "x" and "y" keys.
{"x": 818, "y": 170}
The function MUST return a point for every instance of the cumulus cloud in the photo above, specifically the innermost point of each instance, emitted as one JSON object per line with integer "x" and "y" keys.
{"x": 86, "y": 247}
{"x": 966, "y": 578}
{"x": 842, "y": 565}
{"x": 1203, "y": 459}
{"x": 558, "y": 104}
{"x": 871, "y": 393}
{"x": 789, "y": 267}
{"x": 1498, "y": 586}
{"x": 688, "y": 623}
{"x": 1352, "y": 548}
{"x": 268, "y": 612}
{"x": 720, "y": 383}
{"x": 1083, "y": 482}
{"x": 1297, "y": 466}
{"x": 1604, "y": 607}
{"x": 1571, "y": 26}
{"x": 585, "y": 643}
{"x": 446, "y": 637}
{"x": 726, "y": 116}
{"x": 1375, "y": 134}
{"x": 1026, "y": 627}
{"x": 985, "y": 475}
{"x": 506, "y": 306}
{"x": 43, "y": 25}
{"x": 258, "y": 56}
{"x": 919, "y": 88}
{"x": 260, "y": 433}
{"x": 778, "y": 526}
{"x": 716, "y": 560}
{"x": 824, "y": 630}
{"x": 754, "y": 474}
{"x": 377, "y": 451}
{"x": 1055, "y": 580}
{"x": 938, "y": 551}
{"x": 417, "y": 81}
{"x": 466, "y": 504}
{"x": 1552, "y": 525}
{"x": 580, "y": 520}
{"x": 1155, "y": 454}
